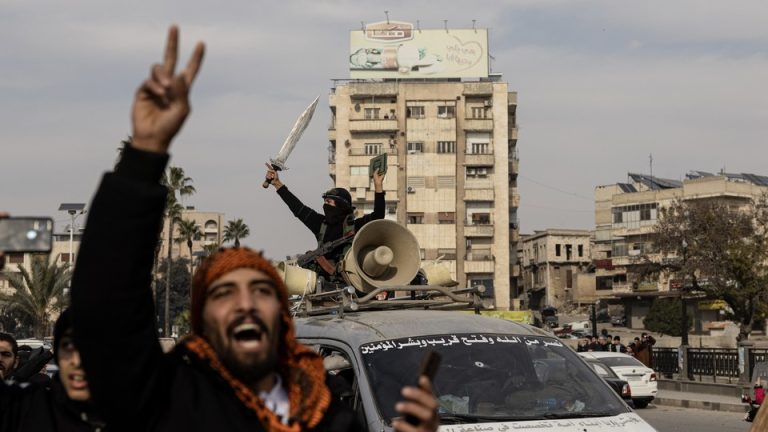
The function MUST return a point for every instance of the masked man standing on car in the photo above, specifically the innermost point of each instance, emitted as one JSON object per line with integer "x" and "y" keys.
{"x": 336, "y": 221}
{"x": 242, "y": 369}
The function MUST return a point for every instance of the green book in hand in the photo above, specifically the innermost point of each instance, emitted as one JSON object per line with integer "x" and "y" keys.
{"x": 378, "y": 163}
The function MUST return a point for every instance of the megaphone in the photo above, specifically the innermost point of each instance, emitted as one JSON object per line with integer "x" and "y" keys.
{"x": 299, "y": 281}
{"x": 383, "y": 253}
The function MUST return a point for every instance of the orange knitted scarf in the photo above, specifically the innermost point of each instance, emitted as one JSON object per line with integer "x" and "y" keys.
{"x": 308, "y": 395}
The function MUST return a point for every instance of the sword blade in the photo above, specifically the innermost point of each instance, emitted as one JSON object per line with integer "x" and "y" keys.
{"x": 296, "y": 132}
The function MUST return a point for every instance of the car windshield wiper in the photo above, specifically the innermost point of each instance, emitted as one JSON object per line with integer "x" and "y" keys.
{"x": 579, "y": 414}
{"x": 453, "y": 418}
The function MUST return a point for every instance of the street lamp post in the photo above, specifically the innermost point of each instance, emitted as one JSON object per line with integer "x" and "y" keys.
{"x": 74, "y": 210}
{"x": 684, "y": 310}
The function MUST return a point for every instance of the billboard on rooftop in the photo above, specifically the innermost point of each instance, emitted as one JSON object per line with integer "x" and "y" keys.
{"x": 398, "y": 50}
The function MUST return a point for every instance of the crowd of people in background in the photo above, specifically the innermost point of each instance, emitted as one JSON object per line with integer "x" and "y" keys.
{"x": 640, "y": 348}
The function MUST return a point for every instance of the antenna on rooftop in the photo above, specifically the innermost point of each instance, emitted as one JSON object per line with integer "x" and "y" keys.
{"x": 418, "y": 26}
{"x": 445, "y": 24}
{"x": 473, "y": 25}
{"x": 650, "y": 162}
{"x": 387, "y": 14}
{"x": 362, "y": 25}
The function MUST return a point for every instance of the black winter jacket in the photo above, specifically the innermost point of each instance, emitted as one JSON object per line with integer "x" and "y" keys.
{"x": 133, "y": 383}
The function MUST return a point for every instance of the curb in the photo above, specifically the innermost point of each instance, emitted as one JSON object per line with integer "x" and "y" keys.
{"x": 703, "y": 405}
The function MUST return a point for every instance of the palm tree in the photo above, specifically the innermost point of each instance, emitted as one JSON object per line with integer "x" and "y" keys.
{"x": 188, "y": 231}
{"x": 176, "y": 181}
{"x": 39, "y": 293}
{"x": 235, "y": 230}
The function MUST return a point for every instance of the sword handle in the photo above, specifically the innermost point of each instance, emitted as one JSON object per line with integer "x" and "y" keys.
{"x": 267, "y": 181}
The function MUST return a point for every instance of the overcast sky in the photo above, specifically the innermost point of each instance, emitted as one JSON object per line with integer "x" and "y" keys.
{"x": 601, "y": 86}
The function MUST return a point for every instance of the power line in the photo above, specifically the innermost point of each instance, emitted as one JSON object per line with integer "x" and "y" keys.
{"x": 555, "y": 188}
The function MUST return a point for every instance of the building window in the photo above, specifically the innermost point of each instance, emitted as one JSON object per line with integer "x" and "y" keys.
{"x": 358, "y": 170}
{"x": 581, "y": 250}
{"x": 415, "y": 112}
{"x": 486, "y": 281}
{"x": 446, "y": 146}
{"x": 447, "y": 254}
{"x": 477, "y": 172}
{"x": 15, "y": 258}
{"x": 479, "y": 148}
{"x": 372, "y": 149}
{"x": 557, "y": 250}
{"x": 446, "y": 182}
{"x": 372, "y": 113}
{"x": 64, "y": 257}
{"x": 415, "y": 147}
{"x": 481, "y": 218}
{"x": 446, "y": 217}
{"x": 479, "y": 112}
{"x": 446, "y": 111}
{"x": 415, "y": 218}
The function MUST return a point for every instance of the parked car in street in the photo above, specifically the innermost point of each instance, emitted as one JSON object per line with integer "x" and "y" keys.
{"x": 495, "y": 374}
{"x": 618, "y": 385}
{"x": 642, "y": 379}
{"x": 619, "y": 321}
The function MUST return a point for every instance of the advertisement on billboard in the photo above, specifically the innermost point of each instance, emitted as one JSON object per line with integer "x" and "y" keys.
{"x": 398, "y": 50}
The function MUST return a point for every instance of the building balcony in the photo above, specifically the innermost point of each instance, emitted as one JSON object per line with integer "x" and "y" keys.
{"x": 622, "y": 288}
{"x": 604, "y": 264}
{"x": 373, "y": 125}
{"x": 362, "y": 90}
{"x": 361, "y": 152}
{"x": 332, "y": 133}
{"x": 478, "y": 230}
{"x": 478, "y": 89}
{"x": 477, "y": 124}
{"x": 332, "y": 169}
{"x": 514, "y": 235}
{"x": 478, "y": 195}
{"x": 514, "y": 166}
{"x": 478, "y": 266}
{"x": 485, "y": 159}
{"x": 515, "y": 270}
{"x": 647, "y": 287}
{"x": 512, "y": 133}
{"x": 479, "y": 183}
{"x": 514, "y": 199}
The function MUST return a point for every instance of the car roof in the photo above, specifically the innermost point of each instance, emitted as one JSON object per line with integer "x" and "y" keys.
{"x": 361, "y": 327}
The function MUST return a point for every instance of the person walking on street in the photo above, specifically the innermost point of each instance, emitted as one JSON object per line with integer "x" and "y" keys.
{"x": 242, "y": 369}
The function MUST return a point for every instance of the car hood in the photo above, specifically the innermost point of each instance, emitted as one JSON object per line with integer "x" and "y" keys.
{"x": 626, "y": 422}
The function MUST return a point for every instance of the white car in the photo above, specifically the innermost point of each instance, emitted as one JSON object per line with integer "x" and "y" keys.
{"x": 642, "y": 379}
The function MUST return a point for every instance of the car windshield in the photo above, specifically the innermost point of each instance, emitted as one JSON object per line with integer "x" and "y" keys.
{"x": 491, "y": 377}
{"x": 622, "y": 361}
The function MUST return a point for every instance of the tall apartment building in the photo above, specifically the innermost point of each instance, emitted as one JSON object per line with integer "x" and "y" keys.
{"x": 625, "y": 219}
{"x": 452, "y": 174}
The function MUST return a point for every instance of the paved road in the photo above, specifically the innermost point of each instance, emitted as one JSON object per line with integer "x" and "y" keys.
{"x": 673, "y": 419}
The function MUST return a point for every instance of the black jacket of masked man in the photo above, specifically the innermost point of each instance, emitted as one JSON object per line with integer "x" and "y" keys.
{"x": 335, "y": 222}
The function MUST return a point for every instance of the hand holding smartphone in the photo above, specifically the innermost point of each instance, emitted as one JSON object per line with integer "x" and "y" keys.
{"x": 428, "y": 368}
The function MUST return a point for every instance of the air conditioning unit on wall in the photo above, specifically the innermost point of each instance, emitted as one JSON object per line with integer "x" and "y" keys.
{"x": 488, "y": 103}
{"x": 410, "y": 189}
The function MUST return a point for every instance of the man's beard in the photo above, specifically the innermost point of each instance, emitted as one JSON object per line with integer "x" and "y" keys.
{"x": 250, "y": 370}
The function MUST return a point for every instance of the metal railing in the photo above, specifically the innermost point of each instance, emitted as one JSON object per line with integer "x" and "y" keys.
{"x": 714, "y": 362}
{"x": 665, "y": 361}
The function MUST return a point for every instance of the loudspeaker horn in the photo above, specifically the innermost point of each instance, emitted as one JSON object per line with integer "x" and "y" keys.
{"x": 383, "y": 253}
{"x": 299, "y": 281}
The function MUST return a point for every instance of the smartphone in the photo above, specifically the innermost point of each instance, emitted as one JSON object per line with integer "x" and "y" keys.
{"x": 428, "y": 368}
{"x": 26, "y": 234}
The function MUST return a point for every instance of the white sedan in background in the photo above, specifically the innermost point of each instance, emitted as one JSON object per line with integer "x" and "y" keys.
{"x": 642, "y": 379}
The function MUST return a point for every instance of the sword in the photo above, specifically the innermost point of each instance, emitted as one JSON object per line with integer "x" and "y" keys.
{"x": 278, "y": 163}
